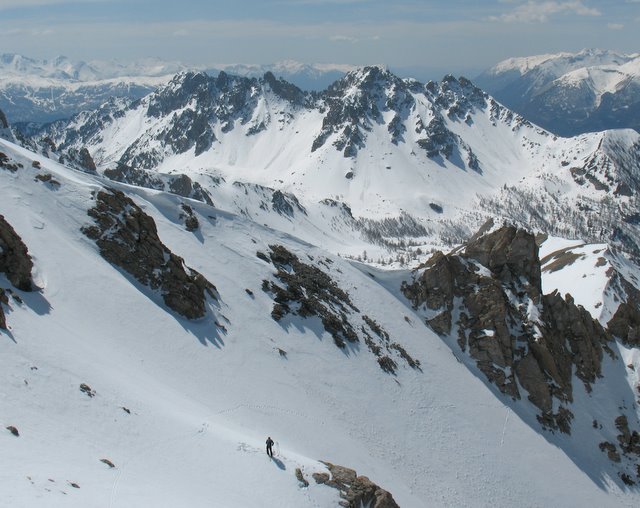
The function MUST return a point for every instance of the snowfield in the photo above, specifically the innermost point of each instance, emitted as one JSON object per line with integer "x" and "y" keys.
{"x": 182, "y": 408}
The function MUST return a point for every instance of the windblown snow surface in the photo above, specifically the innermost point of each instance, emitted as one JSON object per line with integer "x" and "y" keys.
{"x": 182, "y": 408}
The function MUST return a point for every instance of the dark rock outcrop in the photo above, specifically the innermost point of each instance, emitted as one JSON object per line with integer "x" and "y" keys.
{"x": 285, "y": 90}
{"x": 15, "y": 261}
{"x": 127, "y": 237}
{"x": 627, "y": 451}
{"x": 516, "y": 336}
{"x": 306, "y": 291}
{"x": 9, "y": 164}
{"x": 283, "y": 203}
{"x": 4, "y": 300}
{"x": 625, "y": 324}
{"x": 628, "y": 440}
{"x": 356, "y": 491}
{"x": 108, "y": 463}
{"x": 87, "y": 390}
{"x": 80, "y": 159}
{"x": 179, "y": 184}
{"x": 86, "y": 161}
{"x": 191, "y": 222}
{"x": 4, "y": 124}
{"x": 300, "y": 477}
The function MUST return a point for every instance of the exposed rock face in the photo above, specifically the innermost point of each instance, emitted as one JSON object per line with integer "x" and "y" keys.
{"x": 365, "y": 97}
{"x": 15, "y": 261}
{"x": 198, "y": 102}
{"x": 5, "y": 131}
{"x": 86, "y": 161}
{"x": 285, "y": 90}
{"x": 625, "y": 324}
{"x": 517, "y": 336}
{"x": 351, "y": 115}
{"x": 357, "y": 491}
{"x": 127, "y": 237}
{"x": 284, "y": 203}
{"x": 191, "y": 222}
{"x": 79, "y": 159}
{"x": 509, "y": 253}
{"x": 629, "y": 440}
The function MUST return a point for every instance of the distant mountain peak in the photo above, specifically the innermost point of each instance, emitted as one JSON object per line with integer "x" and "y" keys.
{"x": 570, "y": 93}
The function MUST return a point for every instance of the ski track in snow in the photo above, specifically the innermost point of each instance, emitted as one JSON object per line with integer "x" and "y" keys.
{"x": 135, "y": 455}
{"x": 262, "y": 407}
{"x": 504, "y": 429}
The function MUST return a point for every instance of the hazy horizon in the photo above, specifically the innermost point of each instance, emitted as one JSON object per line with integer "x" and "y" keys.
{"x": 431, "y": 37}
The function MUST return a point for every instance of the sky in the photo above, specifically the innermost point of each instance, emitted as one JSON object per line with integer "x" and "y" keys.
{"x": 444, "y": 35}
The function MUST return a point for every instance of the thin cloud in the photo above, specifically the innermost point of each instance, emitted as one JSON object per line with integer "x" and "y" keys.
{"x": 615, "y": 26}
{"x": 540, "y": 12}
{"x": 31, "y": 32}
{"x": 349, "y": 38}
{"x": 15, "y": 4}
{"x": 322, "y": 2}
{"x": 342, "y": 38}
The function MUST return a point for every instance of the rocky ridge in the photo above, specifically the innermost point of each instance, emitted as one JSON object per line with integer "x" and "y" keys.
{"x": 486, "y": 297}
{"x": 127, "y": 237}
{"x": 203, "y": 109}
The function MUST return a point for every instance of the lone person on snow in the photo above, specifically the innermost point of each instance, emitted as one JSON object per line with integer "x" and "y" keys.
{"x": 269, "y": 445}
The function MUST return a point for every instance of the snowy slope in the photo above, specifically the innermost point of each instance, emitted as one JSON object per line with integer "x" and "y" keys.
{"x": 201, "y": 399}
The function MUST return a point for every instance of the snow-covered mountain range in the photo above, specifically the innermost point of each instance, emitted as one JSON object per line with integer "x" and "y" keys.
{"x": 41, "y": 91}
{"x": 570, "y": 93}
{"x": 374, "y": 163}
{"x": 174, "y": 289}
{"x": 44, "y": 90}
